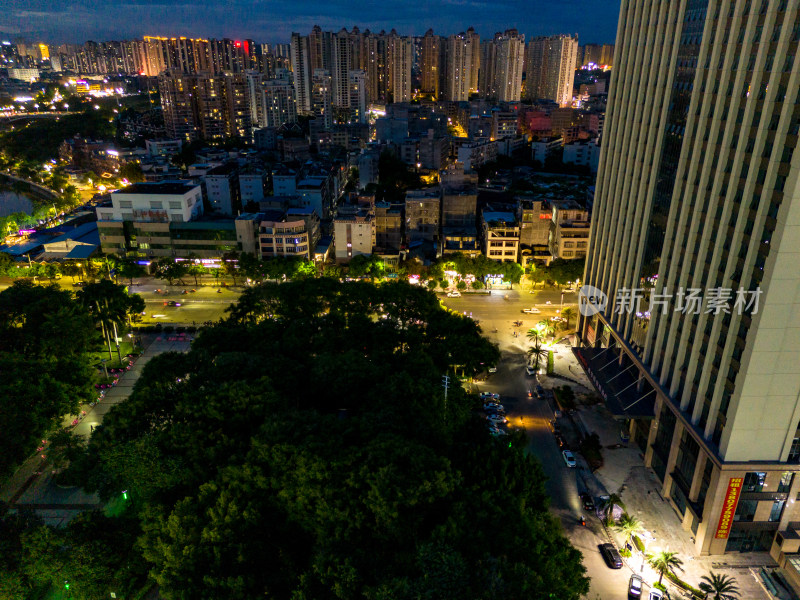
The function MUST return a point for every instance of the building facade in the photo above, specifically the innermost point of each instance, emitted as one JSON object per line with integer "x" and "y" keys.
{"x": 698, "y": 190}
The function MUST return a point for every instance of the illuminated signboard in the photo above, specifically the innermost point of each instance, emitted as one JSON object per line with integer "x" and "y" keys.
{"x": 729, "y": 508}
{"x": 545, "y": 216}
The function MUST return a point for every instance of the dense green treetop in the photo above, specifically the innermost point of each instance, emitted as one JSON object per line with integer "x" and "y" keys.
{"x": 303, "y": 449}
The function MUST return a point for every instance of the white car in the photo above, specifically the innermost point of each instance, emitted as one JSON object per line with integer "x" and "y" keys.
{"x": 569, "y": 459}
{"x": 531, "y": 311}
{"x": 655, "y": 594}
{"x": 497, "y": 419}
{"x": 454, "y": 294}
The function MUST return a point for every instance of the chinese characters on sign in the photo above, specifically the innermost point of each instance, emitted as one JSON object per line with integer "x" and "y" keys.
{"x": 689, "y": 301}
{"x": 729, "y": 508}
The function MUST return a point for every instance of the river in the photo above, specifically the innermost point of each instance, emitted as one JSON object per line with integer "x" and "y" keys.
{"x": 13, "y": 203}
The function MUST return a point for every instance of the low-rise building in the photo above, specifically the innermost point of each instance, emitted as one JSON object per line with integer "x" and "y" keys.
{"x": 252, "y": 185}
{"x": 422, "y": 214}
{"x": 535, "y": 215}
{"x": 500, "y": 235}
{"x": 541, "y": 148}
{"x": 477, "y": 153}
{"x": 582, "y": 152}
{"x": 458, "y": 240}
{"x": 222, "y": 187}
{"x": 291, "y": 233}
{"x": 154, "y": 202}
{"x": 353, "y": 235}
{"x": 569, "y": 230}
{"x": 388, "y": 226}
{"x": 163, "y": 147}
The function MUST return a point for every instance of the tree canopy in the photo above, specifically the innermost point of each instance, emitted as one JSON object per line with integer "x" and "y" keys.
{"x": 44, "y": 369}
{"x": 303, "y": 449}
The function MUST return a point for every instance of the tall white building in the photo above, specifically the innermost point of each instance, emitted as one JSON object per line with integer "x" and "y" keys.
{"x": 301, "y": 69}
{"x": 341, "y": 65}
{"x": 277, "y": 102}
{"x": 459, "y": 66}
{"x": 402, "y": 59}
{"x": 697, "y": 223}
{"x": 509, "y": 58}
{"x": 551, "y": 68}
{"x": 322, "y": 97}
{"x": 358, "y": 96}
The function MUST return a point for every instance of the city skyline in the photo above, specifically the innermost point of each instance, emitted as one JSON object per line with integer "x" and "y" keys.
{"x": 77, "y": 22}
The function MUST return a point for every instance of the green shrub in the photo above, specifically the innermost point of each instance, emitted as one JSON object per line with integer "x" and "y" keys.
{"x": 550, "y": 362}
{"x": 682, "y": 584}
{"x": 660, "y": 586}
{"x": 625, "y": 553}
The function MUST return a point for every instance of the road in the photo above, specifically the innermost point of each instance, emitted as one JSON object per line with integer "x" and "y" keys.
{"x": 206, "y": 304}
{"x": 563, "y": 483}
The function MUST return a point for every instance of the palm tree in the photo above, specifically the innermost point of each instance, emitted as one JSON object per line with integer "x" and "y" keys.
{"x": 536, "y": 353}
{"x": 722, "y": 587}
{"x": 534, "y": 336}
{"x": 545, "y": 328}
{"x": 665, "y": 561}
{"x": 612, "y": 501}
{"x": 628, "y": 526}
{"x": 568, "y": 313}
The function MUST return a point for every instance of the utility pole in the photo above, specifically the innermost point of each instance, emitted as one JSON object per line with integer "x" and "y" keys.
{"x": 446, "y": 385}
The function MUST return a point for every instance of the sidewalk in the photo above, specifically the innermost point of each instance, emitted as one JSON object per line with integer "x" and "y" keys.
{"x": 32, "y": 484}
{"x": 624, "y": 472}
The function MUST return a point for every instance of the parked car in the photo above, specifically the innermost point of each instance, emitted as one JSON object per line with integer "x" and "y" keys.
{"x": 530, "y": 370}
{"x": 611, "y": 556}
{"x": 560, "y": 441}
{"x": 492, "y": 369}
{"x": 569, "y": 458}
{"x": 635, "y": 587}
{"x": 655, "y": 594}
{"x": 454, "y": 294}
{"x": 531, "y": 311}
{"x": 489, "y": 396}
{"x": 79, "y": 284}
{"x": 497, "y": 419}
{"x": 588, "y": 502}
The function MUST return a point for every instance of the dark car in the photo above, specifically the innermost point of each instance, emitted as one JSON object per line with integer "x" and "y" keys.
{"x": 588, "y": 503}
{"x": 172, "y": 303}
{"x": 611, "y": 556}
{"x": 635, "y": 587}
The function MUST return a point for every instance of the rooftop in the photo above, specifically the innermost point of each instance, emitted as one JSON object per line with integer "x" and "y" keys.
{"x": 223, "y": 170}
{"x": 171, "y": 188}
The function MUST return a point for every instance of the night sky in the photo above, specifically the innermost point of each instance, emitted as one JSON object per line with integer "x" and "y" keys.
{"x": 73, "y": 21}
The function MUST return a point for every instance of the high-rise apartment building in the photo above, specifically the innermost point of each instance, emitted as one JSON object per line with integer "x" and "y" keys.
{"x": 486, "y": 74}
{"x": 475, "y": 41}
{"x": 551, "y": 68}
{"x": 178, "y": 105}
{"x": 277, "y": 101}
{"x": 696, "y": 242}
{"x": 430, "y": 63}
{"x": 322, "y": 97}
{"x": 508, "y": 66}
{"x": 205, "y": 106}
{"x": 301, "y": 68}
{"x": 402, "y": 59}
{"x": 461, "y": 53}
{"x": 358, "y": 96}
